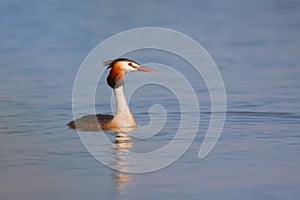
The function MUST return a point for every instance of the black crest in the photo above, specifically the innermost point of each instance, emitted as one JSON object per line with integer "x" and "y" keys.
{"x": 111, "y": 63}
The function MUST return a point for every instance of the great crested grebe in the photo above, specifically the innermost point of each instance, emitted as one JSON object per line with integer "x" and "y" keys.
{"x": 123, "y": 119}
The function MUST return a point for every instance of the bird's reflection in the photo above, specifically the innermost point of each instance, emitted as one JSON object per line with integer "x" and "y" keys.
{"x": 123, "y": 143}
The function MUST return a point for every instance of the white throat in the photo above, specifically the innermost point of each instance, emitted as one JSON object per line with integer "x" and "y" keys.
{"x": 123, "y": 117}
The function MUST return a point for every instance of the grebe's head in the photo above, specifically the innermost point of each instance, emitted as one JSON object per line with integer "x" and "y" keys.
{"x": 119, "y": 67}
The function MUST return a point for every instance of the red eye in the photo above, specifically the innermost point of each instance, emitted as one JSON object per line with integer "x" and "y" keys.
{"x": 130, "y": 64}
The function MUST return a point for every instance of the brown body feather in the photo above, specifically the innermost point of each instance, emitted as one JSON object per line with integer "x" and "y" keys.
{"x": 92, "y": 122}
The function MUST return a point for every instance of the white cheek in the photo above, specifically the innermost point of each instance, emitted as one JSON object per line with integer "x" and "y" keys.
{"x": 127, "y": 68}
{"x": 133, "y": 69}
{"x": 130, "y": 69}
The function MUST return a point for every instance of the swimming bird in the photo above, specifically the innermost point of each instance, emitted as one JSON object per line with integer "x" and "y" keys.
{"x": 123, "y": 119}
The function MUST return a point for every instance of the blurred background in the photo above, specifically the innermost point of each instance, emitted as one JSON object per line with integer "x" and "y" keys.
{"x": 256, "y": 46}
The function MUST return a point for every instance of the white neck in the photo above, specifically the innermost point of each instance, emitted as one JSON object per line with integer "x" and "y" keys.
{"x": 123, "y": 117}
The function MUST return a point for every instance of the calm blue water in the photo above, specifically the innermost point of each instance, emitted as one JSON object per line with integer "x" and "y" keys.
{"x": 256, "y": 46}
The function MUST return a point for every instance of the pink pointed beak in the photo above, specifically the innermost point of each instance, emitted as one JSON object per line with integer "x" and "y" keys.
{"x": 145, "y": 69}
